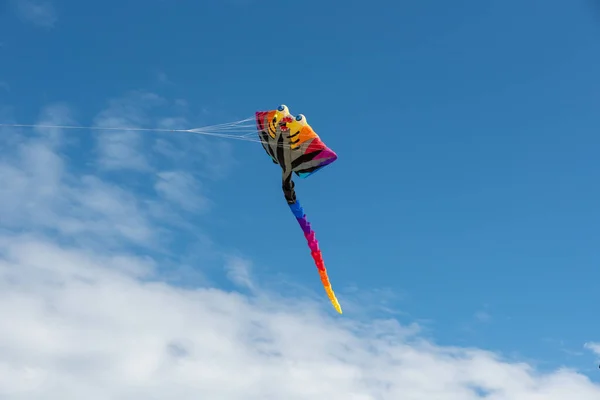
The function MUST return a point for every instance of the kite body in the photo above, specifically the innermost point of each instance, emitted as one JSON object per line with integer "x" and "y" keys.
{"x": 292, "y": 144}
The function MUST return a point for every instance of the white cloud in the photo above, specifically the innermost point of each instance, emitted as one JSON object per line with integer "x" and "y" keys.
{"x": 77, "y": 324}
{"x": 88, "y": 320}
{"x": 238, "y": 271}
{"x": 38, "y": 12}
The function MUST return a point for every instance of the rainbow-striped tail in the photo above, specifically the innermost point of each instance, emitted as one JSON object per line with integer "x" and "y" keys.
{"x": 315, "y": 252}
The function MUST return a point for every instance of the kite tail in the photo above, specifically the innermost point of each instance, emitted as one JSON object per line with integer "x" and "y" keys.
{"x": 315, "y": 252}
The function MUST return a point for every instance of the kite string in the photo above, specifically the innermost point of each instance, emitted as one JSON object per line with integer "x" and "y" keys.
{"x": 209, "y": 128}
{"x": 243, "y": 131}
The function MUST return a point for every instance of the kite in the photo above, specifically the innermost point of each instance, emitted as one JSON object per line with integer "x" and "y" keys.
{"x": 296, "y": 148}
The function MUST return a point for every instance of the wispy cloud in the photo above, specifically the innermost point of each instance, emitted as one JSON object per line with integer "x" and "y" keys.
{"x": 124, "y": 149}
{"x": 121, "y": 149}
{"x": 39, "y": 12}
{"x": 40, "y": 192}
{"x": 238, "y": 271}
{"x": 483, "y": 316}
{"x": 38, "y": 184}
{"x": 182, "y": 189}
{"x": 162, "y": 78}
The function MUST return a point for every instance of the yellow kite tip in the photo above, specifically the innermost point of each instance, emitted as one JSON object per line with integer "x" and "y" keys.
{"x": 337, "y": 307}
{"x": 333, "y": 299}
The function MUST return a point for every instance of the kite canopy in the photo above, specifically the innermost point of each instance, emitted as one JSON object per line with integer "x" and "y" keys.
{"x": 292, "y": 143}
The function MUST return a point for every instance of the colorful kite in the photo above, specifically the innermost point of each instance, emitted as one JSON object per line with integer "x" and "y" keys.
{"x": 296, "y": 148}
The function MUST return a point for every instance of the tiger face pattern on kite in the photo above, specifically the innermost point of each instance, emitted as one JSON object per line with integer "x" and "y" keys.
{"x": 292, "y": 143}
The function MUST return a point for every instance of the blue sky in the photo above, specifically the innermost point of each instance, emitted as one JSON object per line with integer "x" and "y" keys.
{"x": 464, "y": 197}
